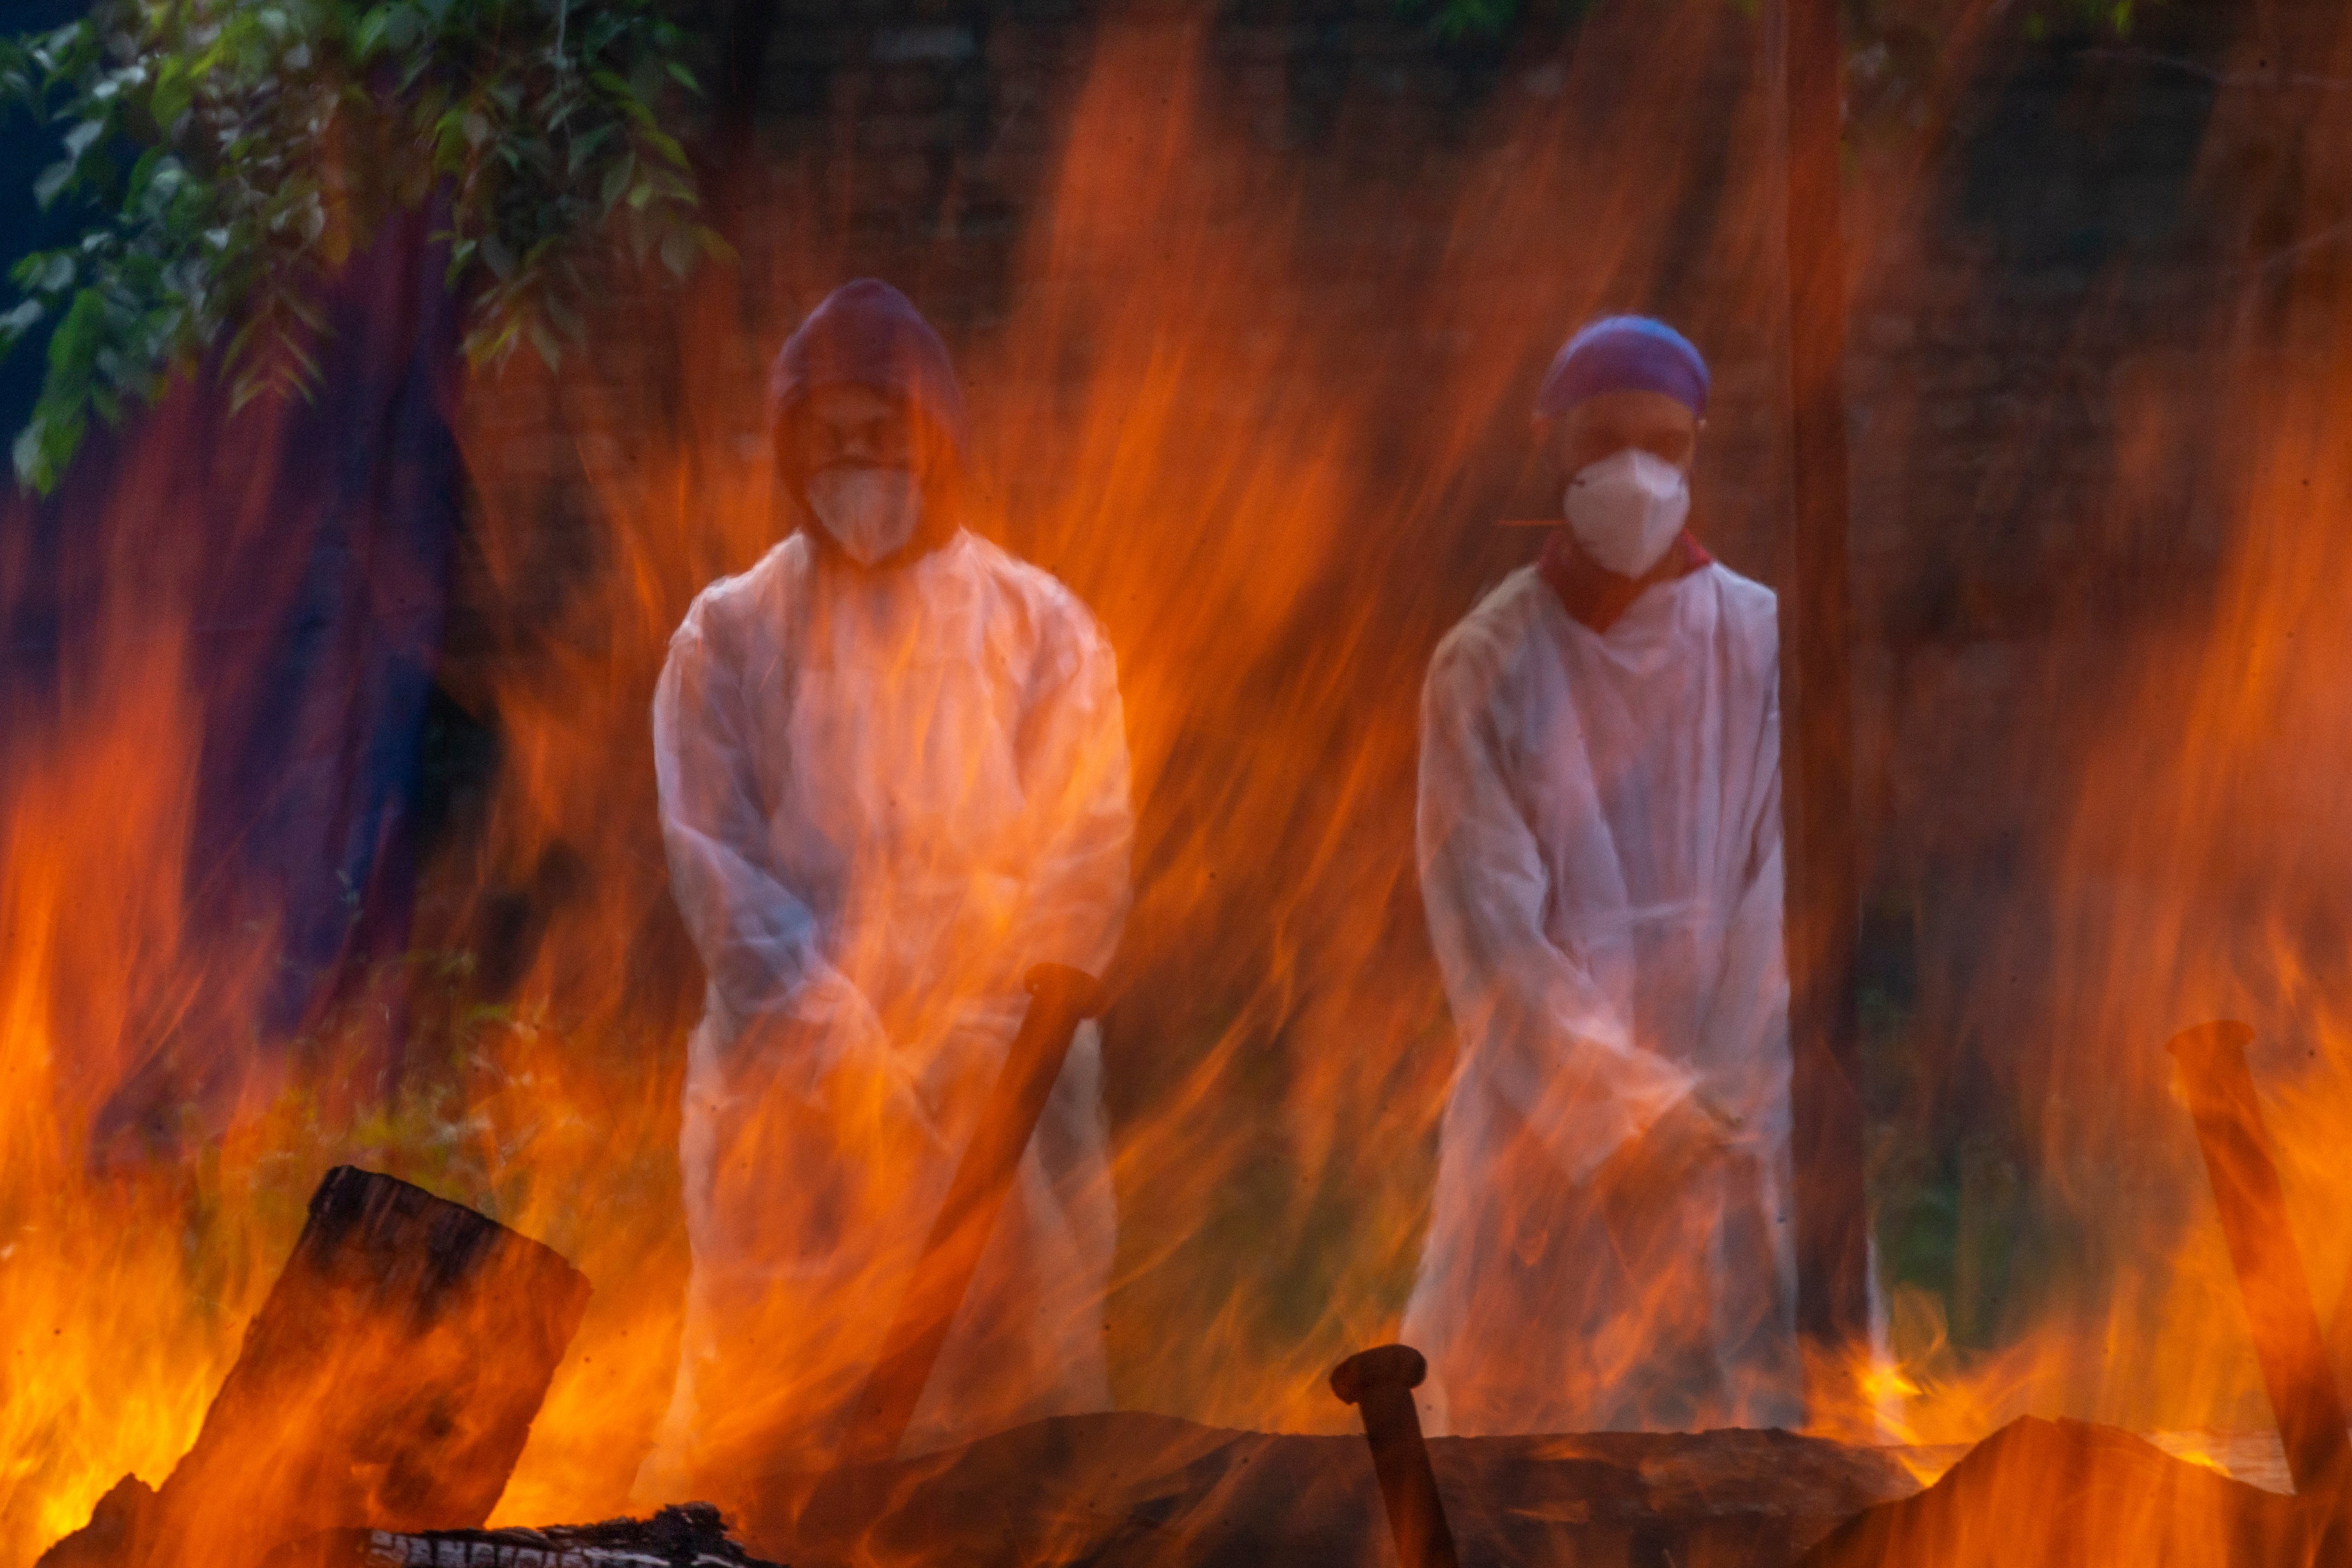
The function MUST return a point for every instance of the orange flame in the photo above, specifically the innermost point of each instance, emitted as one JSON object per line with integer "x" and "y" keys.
{"x": 1265, "y": 439}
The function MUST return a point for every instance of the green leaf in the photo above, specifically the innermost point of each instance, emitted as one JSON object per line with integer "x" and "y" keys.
{"x": 84, "y": 134}
{"x": 16, "y": 324}
{"x": 143, "y": 172}
{"x": 369, "y": 35}
{"x": 73, "y": 347}
{"x": 581, "y": 147}
{"x": 175, "y": 91}
{"x": 667, "y": 146}
{"x": 566, "y": 319}
{"x": 55, "y": 272}
{"x": 52, "y": 180}
{"x": 616, "y": 180}
{"x": 677, "y": 251}
{"x": 43, "y": 448}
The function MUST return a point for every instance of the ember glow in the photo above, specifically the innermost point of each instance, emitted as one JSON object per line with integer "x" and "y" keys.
{"x": 1158, "y": 426}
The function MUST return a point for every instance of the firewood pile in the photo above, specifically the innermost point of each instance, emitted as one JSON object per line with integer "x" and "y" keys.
{"x": 1128, "y": 1488}
{"x": 386, "y": 1386}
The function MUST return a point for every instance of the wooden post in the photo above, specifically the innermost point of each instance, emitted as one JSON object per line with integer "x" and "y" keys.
{"x": 1817, "y": 719}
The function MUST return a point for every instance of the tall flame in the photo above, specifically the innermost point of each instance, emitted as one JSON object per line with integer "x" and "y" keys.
{"x": 1265, "y": 429}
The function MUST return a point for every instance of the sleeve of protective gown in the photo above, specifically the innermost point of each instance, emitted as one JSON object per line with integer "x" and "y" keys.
{"x": 1747, "y": 1016}
{"x": 1074, "y": 774}
{"x": 759, "y": 941}
{"x": 1532, "y": 1019}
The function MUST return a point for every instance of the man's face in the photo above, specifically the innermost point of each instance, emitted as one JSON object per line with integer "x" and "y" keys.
{"x": 1615, "y": 421}
{"x": 852, "y": 426}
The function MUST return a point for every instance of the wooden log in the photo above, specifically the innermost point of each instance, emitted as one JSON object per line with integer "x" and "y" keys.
{"x": 1130, "y": 1490}
{"x": 2050, "y": 1492}
{"x": 2288, "y": 1344}
{"x": 389, "y": 1381}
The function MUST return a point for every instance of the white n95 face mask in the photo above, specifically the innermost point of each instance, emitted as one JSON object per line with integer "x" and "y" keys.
{"x": 870, "y": 513}
{"x": 1626, "y": 508}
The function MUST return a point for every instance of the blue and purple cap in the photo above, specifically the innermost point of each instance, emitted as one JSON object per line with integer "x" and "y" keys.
{"x": 1624, "y": 354}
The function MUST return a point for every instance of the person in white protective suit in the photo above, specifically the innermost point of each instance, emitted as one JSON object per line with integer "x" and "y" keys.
{"x": 893, "y": 777}
{"x": 1611, "y": 1245}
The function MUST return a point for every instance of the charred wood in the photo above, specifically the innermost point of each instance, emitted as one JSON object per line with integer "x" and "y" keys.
{"x": 389, "y": 1380}
{"x": 689, "y": 1535}
{"x": 1379, "y": 1382}
{"x": 2068, "y": 1492}
{"x": 1130, "y": 1489}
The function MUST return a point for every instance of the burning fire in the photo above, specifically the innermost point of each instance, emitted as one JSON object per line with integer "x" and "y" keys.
{"x": 1159, "y": 427}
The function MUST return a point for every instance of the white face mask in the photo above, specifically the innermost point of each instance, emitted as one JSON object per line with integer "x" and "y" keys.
{"x": 870, "y": 513}
{"x": 1626, "y": 508}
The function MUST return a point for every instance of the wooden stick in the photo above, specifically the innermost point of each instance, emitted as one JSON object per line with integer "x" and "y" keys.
{"x": 1379, "y": 1382}
{"x": 1060, "y": 999}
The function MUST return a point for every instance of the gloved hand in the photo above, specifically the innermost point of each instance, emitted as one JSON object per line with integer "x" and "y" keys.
{"x": 1650, "y": 1174}
{"x": 1695, "y": 1130}
{"x": 826, "y": 1045}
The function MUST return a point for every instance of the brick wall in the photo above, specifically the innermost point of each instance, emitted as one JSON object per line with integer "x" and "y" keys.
{"x": 2048, "y": 243}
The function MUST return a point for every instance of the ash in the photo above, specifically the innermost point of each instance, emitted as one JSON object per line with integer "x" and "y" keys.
{"x": 688, "y": 1535}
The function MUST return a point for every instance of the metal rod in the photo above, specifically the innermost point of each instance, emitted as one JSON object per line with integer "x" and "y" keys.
{"x": 1379, "y": 1382}
{"x": 1824, "y": 900}
{"x": 1061, "y": 998}
{"x": 2244, "y": 1173}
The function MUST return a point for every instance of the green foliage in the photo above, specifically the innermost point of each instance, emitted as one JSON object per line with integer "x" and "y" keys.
{"x": 266, "y": 140}
{"x": 1459, "y": 21}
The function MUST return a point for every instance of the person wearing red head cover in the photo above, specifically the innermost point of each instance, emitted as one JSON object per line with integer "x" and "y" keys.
{"x": 893, "y": 777}
{"x": 1599, "y": 840}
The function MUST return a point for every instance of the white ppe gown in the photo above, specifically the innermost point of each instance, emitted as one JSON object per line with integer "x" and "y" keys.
{"x": 1599, "y": 842}
{"x": 884, "y": 797}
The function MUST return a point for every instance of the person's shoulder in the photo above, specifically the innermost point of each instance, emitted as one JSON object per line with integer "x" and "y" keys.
{"x": 727, "y": 605}
{"x": 1034, "y": 598}
{"x": 1008, "y": 575}
{"x": 1745, "y": 594}
{"x": 1751, "y": 610}
{"x": 1499, "y": 631}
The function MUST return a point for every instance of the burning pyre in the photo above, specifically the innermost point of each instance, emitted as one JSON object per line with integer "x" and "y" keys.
{"x": 1266, "y": 580}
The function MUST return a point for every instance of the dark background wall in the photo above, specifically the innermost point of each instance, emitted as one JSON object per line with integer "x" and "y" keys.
{"x": 2049, "y": 235}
